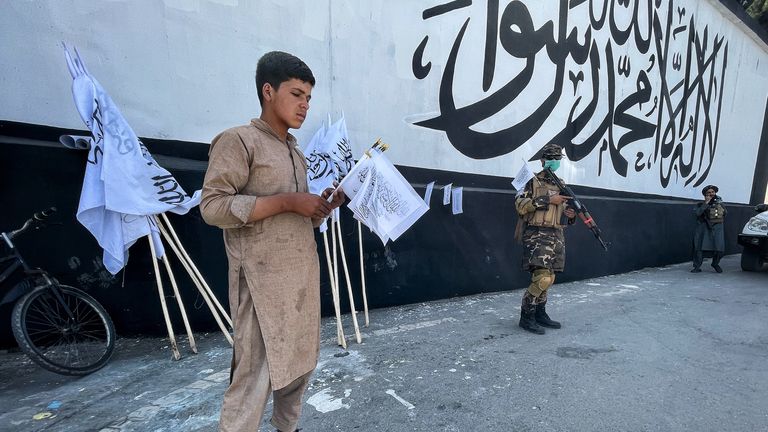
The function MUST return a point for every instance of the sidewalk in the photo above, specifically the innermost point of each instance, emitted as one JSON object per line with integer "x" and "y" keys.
{"x": 659, "y": 349}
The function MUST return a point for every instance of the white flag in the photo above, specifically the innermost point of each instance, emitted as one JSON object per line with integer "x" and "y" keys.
{"x": 337, "y": 145}
{"x": 329, "y": 158}
{"x": 523, "y": 176}
{"x": 320, "y": 171}
{"x": 362, "y": 212}
{"x": 123, "y": 185}
{"x": 386, "y": 202}
{"x": 354, "y": 180}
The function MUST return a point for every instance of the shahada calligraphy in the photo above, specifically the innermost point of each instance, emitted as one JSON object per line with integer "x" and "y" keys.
{"x": 640, "y": 82}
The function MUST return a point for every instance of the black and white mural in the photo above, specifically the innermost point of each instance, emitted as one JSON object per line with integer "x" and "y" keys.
{"x": 637, "y": 82}
{"x": 647, "y": 96}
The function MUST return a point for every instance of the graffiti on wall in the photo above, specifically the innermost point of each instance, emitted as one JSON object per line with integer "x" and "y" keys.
{"x": 640, "y": 82}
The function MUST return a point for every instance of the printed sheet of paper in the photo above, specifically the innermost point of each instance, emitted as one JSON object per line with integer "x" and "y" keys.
{"x": 447, "y": 194}
{"x": 456, "y": 199}
{"x": 428, "y": 192}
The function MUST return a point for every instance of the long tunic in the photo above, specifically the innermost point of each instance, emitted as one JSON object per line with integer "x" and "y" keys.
{"x": 278, "y": 254}
{"x": 708, "y": 236}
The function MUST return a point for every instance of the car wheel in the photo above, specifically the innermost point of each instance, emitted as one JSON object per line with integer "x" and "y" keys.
{"x": 751, "y": 260}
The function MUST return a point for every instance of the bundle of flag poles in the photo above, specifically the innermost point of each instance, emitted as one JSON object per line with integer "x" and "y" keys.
{"x": 380, "y": 198}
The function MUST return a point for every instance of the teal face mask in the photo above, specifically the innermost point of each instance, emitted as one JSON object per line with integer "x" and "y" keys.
{"x": 552, "y": 164}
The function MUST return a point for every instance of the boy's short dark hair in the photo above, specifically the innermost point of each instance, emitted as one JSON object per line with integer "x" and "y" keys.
{"x": 276, "y": 67}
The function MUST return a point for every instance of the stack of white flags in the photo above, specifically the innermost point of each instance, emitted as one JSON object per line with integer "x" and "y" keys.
{"x": 381, "y": 198}
{"x": 123, "y": 185}
{"x": 329, "y": 158}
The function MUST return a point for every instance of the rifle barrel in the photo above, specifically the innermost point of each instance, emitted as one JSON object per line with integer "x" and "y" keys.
{"x": 581, "y": 209}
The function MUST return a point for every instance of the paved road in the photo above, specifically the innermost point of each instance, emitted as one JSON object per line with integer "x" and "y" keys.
{"x": 653, "y": 350}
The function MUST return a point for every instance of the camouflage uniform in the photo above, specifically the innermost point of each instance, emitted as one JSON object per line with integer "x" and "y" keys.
{"x": 543, "y": 243}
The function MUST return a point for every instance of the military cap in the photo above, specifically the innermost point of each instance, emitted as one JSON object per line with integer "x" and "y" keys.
{"x": 552, "y": 151}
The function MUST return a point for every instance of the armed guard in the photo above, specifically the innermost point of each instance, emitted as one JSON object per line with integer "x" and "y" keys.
{"x": 542, "y": 211}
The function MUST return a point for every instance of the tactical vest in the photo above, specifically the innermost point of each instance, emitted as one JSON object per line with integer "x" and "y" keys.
{"x": 552, "y": 215}
{"x": 716, "y": 214}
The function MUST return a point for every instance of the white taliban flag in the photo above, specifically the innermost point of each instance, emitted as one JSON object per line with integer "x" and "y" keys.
{"x": 320, "y": 170}
{"x": 523, "y": 176}
{"x": 123, "y": 185}
{"x": 337, "y": 144}
{"x": 329, "y": 158}
{"x": 385, "y": 202}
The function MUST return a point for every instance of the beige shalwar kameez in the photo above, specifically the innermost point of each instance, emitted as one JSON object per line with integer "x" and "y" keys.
{"x": 274, "y": 274}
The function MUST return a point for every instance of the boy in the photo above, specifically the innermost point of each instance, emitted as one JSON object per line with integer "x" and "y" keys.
{"x": 255, "y": 189}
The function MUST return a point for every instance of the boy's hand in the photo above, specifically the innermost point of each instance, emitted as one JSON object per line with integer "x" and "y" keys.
{"x": 310, "y": 205}
{"x": 338, "y": 197}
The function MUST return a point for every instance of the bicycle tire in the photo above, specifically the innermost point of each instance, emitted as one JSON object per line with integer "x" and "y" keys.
{"x": 44, "y": 332}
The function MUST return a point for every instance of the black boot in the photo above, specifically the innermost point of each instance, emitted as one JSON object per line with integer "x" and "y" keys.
{"x": 527, "y": 312}
{"x": 716, "y": 262}
{"x": 544, "y": 319}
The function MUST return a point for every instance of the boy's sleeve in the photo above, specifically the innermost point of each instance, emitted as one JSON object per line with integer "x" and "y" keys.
{"x": 228, "y": 172}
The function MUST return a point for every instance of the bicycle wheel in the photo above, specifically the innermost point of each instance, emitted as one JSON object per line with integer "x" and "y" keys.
{"x": 52, "y": 339}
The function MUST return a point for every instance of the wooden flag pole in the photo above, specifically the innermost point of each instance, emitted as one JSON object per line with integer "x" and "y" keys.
{"x": 335, "y": 294}
{"x": 349, "y": 285}
{"x": 362, "y": 271}
{"x": 190, "y": 336}
{"x": 185, "y": 319}
{"x": 200, "y": 288}
{"x": 197, "y": 272}
{"x": 333, "y": 255}
{"x": 171, "y": 336}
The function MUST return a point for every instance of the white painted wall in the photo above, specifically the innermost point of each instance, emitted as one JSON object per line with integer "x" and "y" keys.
{"x": 184, "y": 70}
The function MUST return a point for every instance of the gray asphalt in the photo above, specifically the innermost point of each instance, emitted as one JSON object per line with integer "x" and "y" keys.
{"x": 659, "y": 349}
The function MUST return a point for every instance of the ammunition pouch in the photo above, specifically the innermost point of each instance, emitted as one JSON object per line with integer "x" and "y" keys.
{"x": 551, "y": 216}
{"x": 716, "y": 214}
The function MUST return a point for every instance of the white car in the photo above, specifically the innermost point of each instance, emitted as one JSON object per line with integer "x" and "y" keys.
{"x": 754, "y": 239}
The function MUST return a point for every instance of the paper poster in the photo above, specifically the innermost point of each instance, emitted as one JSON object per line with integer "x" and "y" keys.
{"x": 456, "y": 198}
{"x": 428, "y": 193}
{"x": 447, "y": 194}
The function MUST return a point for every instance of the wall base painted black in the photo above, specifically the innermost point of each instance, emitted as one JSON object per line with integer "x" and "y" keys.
{"x": 441, "y": 256}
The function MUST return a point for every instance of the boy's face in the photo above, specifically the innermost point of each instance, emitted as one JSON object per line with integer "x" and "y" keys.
{"x": 289, "y": 102}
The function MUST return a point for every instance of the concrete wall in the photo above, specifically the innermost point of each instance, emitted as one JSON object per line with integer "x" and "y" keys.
{"x": 658, "y": 97}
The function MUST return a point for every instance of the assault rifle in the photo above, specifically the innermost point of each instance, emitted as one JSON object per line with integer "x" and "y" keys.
{"x": 581, "y": 210}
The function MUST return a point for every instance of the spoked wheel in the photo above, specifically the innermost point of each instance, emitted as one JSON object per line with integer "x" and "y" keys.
{"x": 68, "y": 345}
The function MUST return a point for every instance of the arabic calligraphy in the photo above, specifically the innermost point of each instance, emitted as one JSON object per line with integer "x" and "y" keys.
{"x": 646, "y": 83}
